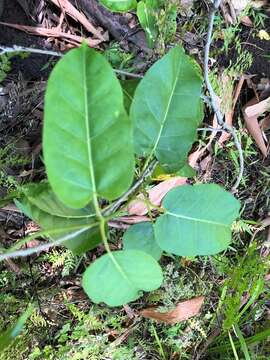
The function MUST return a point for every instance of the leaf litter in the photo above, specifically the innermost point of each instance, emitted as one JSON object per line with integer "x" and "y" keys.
{"x": 182, "y": 312}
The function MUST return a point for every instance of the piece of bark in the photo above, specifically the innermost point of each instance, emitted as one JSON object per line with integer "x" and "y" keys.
{"x": 115, "y": 23}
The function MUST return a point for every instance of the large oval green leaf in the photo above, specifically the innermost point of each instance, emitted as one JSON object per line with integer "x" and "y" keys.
{"x": 119, "y": 5}
{"x": 167, "y": 109}
{"x": 64, "y": 225}
{"x": 141, "y": 237}
{"x": 87, "y": 137}
{"x": 197, "y": 221}
{"x": 119, "y": 277}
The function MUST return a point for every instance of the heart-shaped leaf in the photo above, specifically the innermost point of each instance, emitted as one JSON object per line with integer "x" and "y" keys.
{"x": 121, "y": 276}
{"x": 87, "y": 137}
{"x": 197, "y": 221}
{"x": 167, "y": 109}
{"x": 65, "y": 225}
{"x": 141, "y": 237}
{"x": 119, "y": 5}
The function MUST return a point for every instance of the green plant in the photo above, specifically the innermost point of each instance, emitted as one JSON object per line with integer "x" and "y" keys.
{"x": 89, "y": 143}
{"x": 156, "y": 17}
{"x": 8, "y": 336}
{"x": 5, "y": 63}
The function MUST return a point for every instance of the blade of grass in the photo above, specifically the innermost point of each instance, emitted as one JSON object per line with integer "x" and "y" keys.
{"x": 242, "y": 341}
{"x": 161, "y": 351}
{"x": 261, "y": 336}
{"x": 233, "y": 346}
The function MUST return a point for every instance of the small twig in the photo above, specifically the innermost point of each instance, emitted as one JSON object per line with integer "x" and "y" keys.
{"x": 43, "y": 247}
{"x": 213, "y": 96}
{"x": 208, "y": 84}
{"x": 232, "y": 131}
{"x": 17, "y": 49}
{"x": 126, "y": 73}
{"x": 115, "y": 206}
{"x": 211, "y": 129}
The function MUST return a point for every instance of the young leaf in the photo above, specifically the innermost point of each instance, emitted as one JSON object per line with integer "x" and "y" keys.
{"x": 141, "y": 237}
{"x": 197, "y": 221}
{"x": 119, "y": 5}
{"x": 87, "y": 137}
{"x": 167, "y": 109}
{"x": 85, "y": 241}
{"x": 119, "y": 277}
{"x": 145, "y": 13}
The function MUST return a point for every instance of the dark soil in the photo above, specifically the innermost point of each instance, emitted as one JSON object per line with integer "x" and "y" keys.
{"x": 258, "y": 48}
{"x": 31, "y": 68}
{"x": 254, "y": 45}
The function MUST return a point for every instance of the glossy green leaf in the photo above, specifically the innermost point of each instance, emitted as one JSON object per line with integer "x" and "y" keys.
{"x": 87, "y": 137}
{"x": 197, "y": 221}
{"x": 120, "y": 277}
{"x": 141, "y": 237}
{"x": 9, "y": 335}
{"x": 85, "y": 241}
{"x": 119, "y": 5}
{"x": 167, "y": 110}
{"x": 145, "y": 14}
{"x": 129, "y": 87}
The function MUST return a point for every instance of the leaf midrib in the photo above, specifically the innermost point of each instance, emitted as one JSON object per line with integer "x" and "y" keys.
{"x": 167, "y": 109}
{"x": 91, "y": 168}
{"x": 87, "y": 127}
{"x": 196, "y": 219}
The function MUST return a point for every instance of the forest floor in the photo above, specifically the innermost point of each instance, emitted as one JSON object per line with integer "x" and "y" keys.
{"x": 234, "y": 321}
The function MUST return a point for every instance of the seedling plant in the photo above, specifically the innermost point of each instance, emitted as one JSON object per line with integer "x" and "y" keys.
{"x": 92, "y": 137}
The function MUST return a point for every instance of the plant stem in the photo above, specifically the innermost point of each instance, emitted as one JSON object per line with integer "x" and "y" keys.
{"x": 16, "y": 48}
{"x": 43, "y": 247}
{"x": 115, "y": 206}
{"x": 213, "y": 96}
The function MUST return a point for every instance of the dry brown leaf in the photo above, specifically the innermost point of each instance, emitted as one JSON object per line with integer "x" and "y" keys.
{"x": 245, "y": 20}
{"x": 183, "y": 311}
{"x": 265, "y": 123}
{"x": 155, "y": 195}
{"x": 258, "y": 109}
{"x": 206, "y": 162}
{"x": 194, "y": 158}
{"x": 66, "y": 6}
{"x": 133, "y": 219}
{"x": 55, "y": 33}
{"x": 251, "y": 113}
